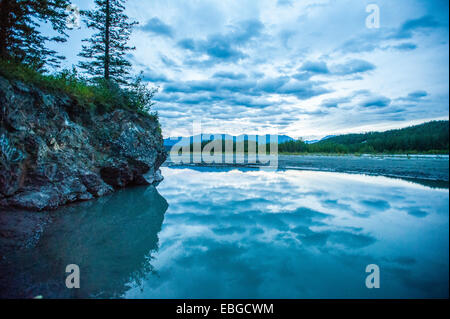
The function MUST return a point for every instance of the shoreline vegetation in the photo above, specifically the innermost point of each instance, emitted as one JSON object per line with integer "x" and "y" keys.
{"x": 107, "y": 81}
{"x": 92, "y": 95}
{"x": 399, "y": 154}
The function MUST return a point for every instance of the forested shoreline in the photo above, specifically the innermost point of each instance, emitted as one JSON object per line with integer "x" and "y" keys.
{"x": 427, "y": 138}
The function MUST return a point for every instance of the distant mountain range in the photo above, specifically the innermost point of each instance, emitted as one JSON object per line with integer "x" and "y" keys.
{"x": 169, "y": 142}
{"x": 317, "y": 141}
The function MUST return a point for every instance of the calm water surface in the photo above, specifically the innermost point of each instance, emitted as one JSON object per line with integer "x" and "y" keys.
{"x": 229, "y": 233}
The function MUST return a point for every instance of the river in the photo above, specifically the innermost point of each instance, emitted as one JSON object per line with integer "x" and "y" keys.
{"x": 210, "y": 232}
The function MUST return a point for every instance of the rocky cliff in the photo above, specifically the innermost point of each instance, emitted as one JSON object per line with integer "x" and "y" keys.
{"x": 54, "y": 152}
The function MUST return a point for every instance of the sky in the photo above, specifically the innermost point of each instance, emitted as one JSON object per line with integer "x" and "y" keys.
{"x": 306, "y": 68}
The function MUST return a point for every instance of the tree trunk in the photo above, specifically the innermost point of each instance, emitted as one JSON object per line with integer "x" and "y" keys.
{"x": 107, "y": 40}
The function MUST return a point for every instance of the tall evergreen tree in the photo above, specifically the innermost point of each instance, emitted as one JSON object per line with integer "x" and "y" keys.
{"x": 20, "y": 38}
{"x": 107, "y": 49}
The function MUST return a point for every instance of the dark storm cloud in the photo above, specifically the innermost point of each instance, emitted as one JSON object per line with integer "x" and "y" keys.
{"x": 156, "y": 26}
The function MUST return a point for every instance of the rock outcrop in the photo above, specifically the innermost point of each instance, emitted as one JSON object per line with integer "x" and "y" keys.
{"x": 53, "y": 151}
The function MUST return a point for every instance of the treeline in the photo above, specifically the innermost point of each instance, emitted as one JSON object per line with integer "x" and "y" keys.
{"x": 431, "y": 138}
{"x": 105, "y": 79}
{"x": 427, "y": 138}
{"x": 241, "y": 146}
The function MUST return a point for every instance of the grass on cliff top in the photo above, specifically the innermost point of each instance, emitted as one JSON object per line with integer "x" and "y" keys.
{"x": 92, "y": 95}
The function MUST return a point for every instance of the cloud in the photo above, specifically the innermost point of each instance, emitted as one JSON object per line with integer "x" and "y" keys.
{"x": 188, "y": 44}
{"x": 156, "y": 26}
{"x": 335, "y": 102}
{"x": 154, "y": 77}
{"x": 382, "y": 40}
{"x": 286, "y": 65}
{"x": 229, "y": 75}
{"x": 364, "y": 98}
{"x": 414, "y": 96}
{"x": 190, "y": 86}
{"x": 284, "y": 3}
{"x": 353, "y": 67}
{"x": 408, "y": 46}
{"x": 417, "y": 212}
{"x": 376, "y": 101}
{"x": 249, "y": 102}
{"x": 272, "y": 85}
{"x": 222, "y": 84}
{"x": 167, "y": 61}
{"x": 417, "y": 94}
{"x": 362, "y": 43}
{"x": 303, "y": 90}
{"x": 415, "y": 25}
{"x": 286, "y": 36}
{"x": 229, "y": 97}
{"x": 223, "y": 47}
{"x": 315, "y": 67}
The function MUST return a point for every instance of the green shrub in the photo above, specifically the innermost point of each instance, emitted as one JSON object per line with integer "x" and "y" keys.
{"x": 89, "y": 93}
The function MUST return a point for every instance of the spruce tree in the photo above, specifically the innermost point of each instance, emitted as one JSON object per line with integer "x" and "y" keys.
{"x": 20, "y": 38}
{"x": 106, "y": 50}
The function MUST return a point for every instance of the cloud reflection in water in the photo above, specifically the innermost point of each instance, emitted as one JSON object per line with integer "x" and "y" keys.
{"x": 245, "y": 233}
